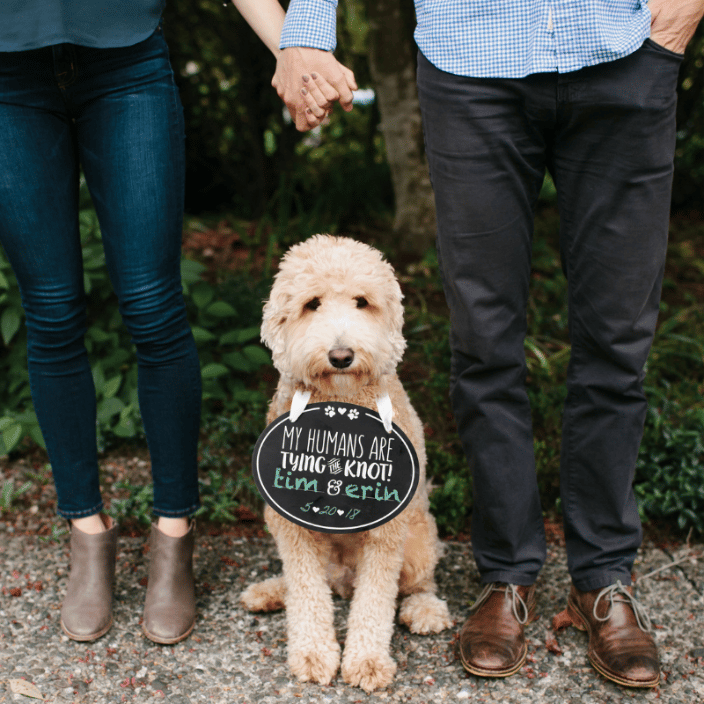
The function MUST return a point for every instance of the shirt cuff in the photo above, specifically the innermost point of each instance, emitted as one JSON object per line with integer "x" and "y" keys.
{"x": 311, "y": 23}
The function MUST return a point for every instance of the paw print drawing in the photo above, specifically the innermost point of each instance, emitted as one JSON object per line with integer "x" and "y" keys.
{"x": 329, "y": 411}
{"x": 353, "y": 414}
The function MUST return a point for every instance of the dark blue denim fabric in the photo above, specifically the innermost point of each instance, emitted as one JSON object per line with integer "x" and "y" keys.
{"x": 607, "y": 135}
{"x": 117, "y": 114}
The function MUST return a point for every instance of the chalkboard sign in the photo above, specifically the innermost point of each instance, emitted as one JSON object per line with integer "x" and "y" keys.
{"x": 335, "y": 469}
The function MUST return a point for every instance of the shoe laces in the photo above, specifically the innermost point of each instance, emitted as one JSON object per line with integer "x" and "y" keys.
{"x": 617, "y": 592}
{"x": 511, "y": 592}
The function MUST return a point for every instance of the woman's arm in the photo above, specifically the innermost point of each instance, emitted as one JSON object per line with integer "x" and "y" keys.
{"x": 266, "y": 18}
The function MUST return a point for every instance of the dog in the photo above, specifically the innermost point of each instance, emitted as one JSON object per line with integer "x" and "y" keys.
{"x": 333, "y": 323}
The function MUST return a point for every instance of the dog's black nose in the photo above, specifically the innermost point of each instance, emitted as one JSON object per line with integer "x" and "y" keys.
{"x": 341, "y": 358}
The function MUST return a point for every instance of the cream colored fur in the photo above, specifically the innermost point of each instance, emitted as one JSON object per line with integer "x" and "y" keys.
{"x": 397, "y": 558}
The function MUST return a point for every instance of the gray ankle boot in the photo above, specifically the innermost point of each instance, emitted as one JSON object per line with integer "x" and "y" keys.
{"x": 86, "y": 613}
{"x": 170, "y": 606}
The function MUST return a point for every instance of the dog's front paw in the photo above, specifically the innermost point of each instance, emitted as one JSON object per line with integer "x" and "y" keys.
{"x": 369, "y": 671}
{"x": 424, "y": 613}
{"x": 315, "y": 665}
{"x": 264, "y": 596}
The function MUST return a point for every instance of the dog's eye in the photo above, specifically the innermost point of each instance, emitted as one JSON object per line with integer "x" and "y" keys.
{"x": 313, "y": 304}
{"x": 362, "y": 302}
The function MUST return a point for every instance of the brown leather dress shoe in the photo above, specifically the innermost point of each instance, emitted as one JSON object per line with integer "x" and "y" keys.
{"x": 492, "y": 642}
{"x": 621, "y": 647}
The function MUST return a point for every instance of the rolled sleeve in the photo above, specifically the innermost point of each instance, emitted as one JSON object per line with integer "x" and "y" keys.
{"x": 310, "y": 23}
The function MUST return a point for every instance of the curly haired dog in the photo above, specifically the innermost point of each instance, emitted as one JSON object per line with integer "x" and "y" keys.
{"x": 333, "y": 322}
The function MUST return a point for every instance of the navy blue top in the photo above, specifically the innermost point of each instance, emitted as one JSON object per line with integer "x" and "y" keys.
{"x": 31, "y": 24}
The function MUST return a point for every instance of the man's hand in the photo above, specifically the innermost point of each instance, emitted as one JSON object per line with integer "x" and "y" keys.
{"x": 674, "y": 22}
{"x": 310, "y": 81}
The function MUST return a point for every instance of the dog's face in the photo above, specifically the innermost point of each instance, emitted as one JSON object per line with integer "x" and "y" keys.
{"x": 334, "y": 317}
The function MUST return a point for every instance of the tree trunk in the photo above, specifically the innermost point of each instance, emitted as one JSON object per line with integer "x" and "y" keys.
{"x": 392, "y": 64}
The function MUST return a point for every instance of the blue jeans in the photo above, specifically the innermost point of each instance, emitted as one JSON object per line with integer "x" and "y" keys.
{"x": 117, "y": 114}
{"x": 607, "y": 135}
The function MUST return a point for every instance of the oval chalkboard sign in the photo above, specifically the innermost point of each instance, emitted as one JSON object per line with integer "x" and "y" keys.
{"x": 335, "y": 469}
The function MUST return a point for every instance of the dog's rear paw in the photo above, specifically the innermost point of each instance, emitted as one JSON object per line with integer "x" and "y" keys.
{"x": 264, "y": 596}
{"x": 368, "y": 671}
{"x": 424, "y": 613}
{"x": 319, "y": 665}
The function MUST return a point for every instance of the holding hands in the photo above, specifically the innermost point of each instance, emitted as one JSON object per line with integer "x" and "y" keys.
{"x": 310, "y": 81}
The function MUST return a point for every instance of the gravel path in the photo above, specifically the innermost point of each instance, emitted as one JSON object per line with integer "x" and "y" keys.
{"x": 234, "y": 656}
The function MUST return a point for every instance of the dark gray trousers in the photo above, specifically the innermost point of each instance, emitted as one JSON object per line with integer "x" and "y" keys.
{"x": 607, "y": 135}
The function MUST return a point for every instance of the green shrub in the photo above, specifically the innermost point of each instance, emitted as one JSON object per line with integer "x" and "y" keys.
{"x": 225, "y": 320}
{"x": 451, "y": 495}
{"x": 669, "y": 479}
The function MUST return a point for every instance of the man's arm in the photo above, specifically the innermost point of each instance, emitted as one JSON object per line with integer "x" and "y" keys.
{"x": 673, "y": 22}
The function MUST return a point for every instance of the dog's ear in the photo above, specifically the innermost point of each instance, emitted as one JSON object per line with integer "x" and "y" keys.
{"x": 398, "y": 346}
{"x": 274, "y": 318}
{"x": 395, "y": 312}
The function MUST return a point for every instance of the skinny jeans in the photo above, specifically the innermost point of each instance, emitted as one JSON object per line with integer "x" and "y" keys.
{"x": 116, "y": 113}
{"x": 606, "y": 134}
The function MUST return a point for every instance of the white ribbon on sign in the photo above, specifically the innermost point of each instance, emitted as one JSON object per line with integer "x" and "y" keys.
{"x": 298, "y": 404}
{"x": 301, "y": 398}
{"x": 386, "y": 410}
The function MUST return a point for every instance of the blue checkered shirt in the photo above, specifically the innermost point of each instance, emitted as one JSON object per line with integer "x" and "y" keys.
{"x": 498, "y": 38}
